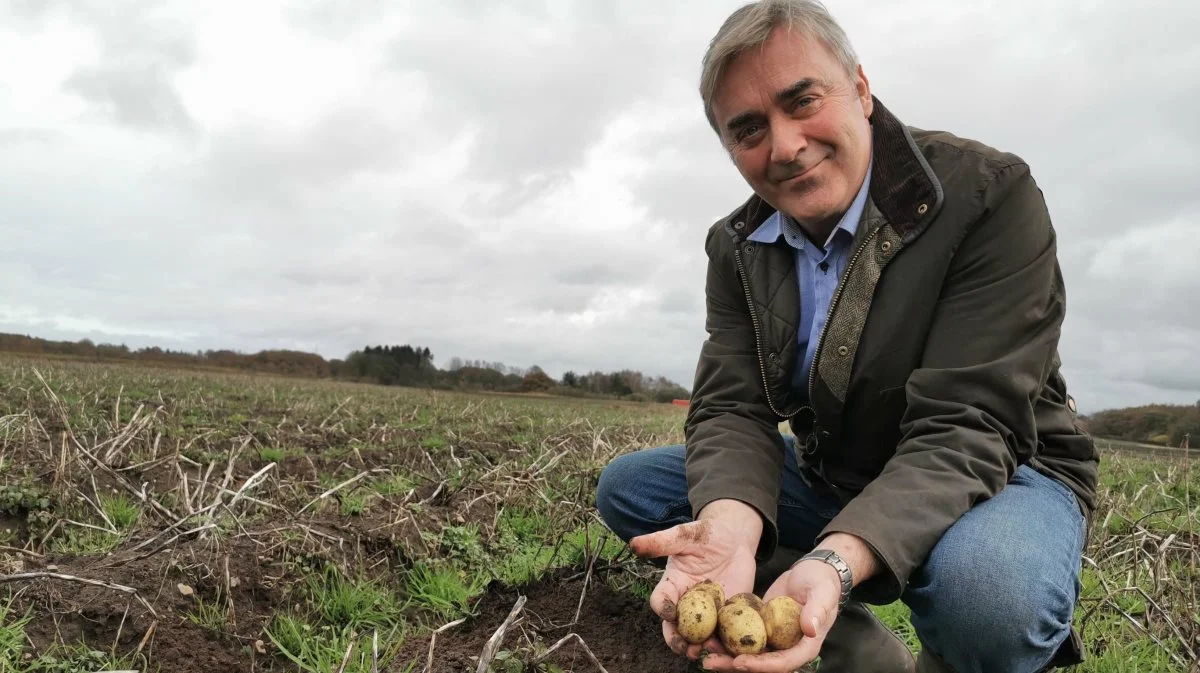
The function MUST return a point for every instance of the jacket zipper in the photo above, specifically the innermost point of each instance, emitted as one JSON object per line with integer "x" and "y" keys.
{"x": 812, "y": 371}
{"x": 762, "y": 367}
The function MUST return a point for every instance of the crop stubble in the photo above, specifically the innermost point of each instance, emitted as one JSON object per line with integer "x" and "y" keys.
{"x": 413, "y": 510}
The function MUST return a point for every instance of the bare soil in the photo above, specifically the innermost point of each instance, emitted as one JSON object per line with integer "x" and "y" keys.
{"x": 619, "y": 629}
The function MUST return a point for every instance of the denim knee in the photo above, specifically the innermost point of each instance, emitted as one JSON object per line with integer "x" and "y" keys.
{"x": 643, "y": 491}
{"x": 610, "y": 501}
{"x": 998, "y": 592}
{"x": 976, "y": 623}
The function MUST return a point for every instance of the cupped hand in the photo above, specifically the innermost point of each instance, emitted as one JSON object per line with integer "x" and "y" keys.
{"x": 712, "y": 549}
{"x": 817, "y": 587}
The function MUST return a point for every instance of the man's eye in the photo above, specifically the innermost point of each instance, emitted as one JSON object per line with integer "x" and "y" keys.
{"x": 747, "y": 131}
{"x": 803, "y": 102}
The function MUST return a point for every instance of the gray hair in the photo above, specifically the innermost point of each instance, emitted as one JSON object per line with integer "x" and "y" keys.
{"x": 750, "y": 25}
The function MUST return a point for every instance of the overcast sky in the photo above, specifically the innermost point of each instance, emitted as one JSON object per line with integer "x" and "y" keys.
{"x": 531, "y": 182}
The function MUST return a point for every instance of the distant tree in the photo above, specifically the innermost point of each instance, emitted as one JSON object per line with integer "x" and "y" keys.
{"x": 570, "y": 379}
{"x": 617, "y": 385}
{"x": 536, "y": 379}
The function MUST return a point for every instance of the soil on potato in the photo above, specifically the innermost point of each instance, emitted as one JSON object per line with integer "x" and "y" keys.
{"x": 619, "y": 629}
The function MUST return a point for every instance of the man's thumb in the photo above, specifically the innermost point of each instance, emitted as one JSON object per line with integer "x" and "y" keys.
{"x": 812, "y": 617}
{"x": 671, "y": 541}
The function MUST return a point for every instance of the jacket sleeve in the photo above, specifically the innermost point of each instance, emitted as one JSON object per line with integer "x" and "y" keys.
{"x": 734, "y": 448}
{"x": 970, "y": 404}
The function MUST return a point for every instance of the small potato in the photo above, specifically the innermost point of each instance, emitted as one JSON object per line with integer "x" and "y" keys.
{"x": 696, "y": 615}
{"x": 713, "y": 589}
{"x": 781, "y": 615}
{"x": 747, "y": 599}
{"x": 741, "y": 628}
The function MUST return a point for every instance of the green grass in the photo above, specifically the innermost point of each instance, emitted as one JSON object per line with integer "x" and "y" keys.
{"x": 335, "y": 610}
{"x": 12, "y": 636}
{"x": 446, "y": 591}
{"x": 354, "y": 503}
{"x": 120, "y": 510}
{"x": 341, "y": 601}
{"x": 396, "y": 484}
{"x": 57, "y": 659}
{"x": 320, "y": 649}
{"x": 212, "y": 615}
{"x": 277, "y": 454}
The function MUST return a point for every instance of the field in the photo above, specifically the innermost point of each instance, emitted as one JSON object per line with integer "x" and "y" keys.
{"x": 155, "y": 520}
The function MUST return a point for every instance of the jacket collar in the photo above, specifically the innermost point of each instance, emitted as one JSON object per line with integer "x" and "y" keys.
{"x": 903, "y": 187}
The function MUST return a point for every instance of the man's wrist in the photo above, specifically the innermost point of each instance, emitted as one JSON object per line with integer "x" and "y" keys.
{"x": 848, "y": 560}
{"x": 842, "y": 577}
{"x": 855, "y": 552}
{"x": 743, "y": 521}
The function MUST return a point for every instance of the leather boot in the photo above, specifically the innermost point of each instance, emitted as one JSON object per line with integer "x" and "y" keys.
{"x": 858, "y": 641}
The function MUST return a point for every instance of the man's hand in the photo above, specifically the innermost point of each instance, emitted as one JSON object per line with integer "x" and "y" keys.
{"x": 817, "y": 586}
{"x": 719, "y": 546}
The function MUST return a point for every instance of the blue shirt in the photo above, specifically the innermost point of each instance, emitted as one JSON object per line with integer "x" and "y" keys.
{"x": 818, "y": 271}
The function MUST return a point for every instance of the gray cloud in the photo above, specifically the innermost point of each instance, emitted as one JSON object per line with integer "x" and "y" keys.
{"x": 140, "y": 50}
{"x": 22, "y": 136}
{"x": 532, "y": 184}
{"x": 138, "y": 96}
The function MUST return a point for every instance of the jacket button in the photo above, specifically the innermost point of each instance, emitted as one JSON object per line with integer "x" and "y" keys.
{"x": 774, "y": 357}
{"x": 739, "y": 225}
{"x": 922, "y": 209}
{"x": 886, "y": 247}
{"x": 843, "y": 351}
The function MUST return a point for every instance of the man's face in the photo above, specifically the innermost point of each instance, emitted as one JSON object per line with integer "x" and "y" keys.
{"x": 796, "y": 125}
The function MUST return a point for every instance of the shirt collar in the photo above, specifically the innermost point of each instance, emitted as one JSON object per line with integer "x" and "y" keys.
{"x": 772, "y": 228}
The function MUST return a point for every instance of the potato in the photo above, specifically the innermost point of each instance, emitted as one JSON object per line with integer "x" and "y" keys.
{"x": 747, "y": 599}
{"x": 713, "y": 589}
{"x": 696, "y": 615}
{"x": 741, "y": 627}
{"x": 781, "y": 615}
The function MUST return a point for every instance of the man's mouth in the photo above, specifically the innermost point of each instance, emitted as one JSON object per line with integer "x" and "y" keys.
{"x": 801, "y": 174}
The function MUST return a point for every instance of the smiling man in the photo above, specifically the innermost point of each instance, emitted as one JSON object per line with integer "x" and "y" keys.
{"x": 894, "y": 295}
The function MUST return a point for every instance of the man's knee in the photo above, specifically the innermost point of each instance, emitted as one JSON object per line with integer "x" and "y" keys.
{"x": 643, "y": 491}
{"x": 991, "y": 609}
{"x": 612, "y": 489}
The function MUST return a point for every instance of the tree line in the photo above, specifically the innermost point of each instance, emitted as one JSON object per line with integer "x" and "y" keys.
{"x": 1166, "y": 424}
{"x": 399, "y": 365}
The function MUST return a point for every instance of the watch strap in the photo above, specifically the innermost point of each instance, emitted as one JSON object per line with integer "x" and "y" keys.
{"x": 831, "y": 558}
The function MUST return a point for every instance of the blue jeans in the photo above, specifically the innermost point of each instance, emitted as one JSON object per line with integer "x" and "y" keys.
{"x": 997, "y": 592}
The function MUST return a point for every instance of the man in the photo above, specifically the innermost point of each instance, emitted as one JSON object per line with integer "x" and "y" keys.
{"x": 894, "y": 295}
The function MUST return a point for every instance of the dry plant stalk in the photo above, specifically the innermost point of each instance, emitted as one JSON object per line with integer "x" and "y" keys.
{"x": 492, "y": 646}
{"x": 432, "y": 641}
{"x": 83, "y": 580}
{"x": 579, "y": 639}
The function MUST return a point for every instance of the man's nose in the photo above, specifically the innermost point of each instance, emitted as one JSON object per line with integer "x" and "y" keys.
{"x": 788, "y": 140}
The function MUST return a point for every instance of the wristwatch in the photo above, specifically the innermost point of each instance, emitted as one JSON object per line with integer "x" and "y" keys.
{"x": 843, "y": 570}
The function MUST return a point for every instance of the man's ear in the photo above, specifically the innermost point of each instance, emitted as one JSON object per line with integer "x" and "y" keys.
{"x": 863, "y": 85}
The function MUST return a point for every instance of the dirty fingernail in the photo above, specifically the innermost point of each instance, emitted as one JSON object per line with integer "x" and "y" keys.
{"x": 668, "y": 611}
